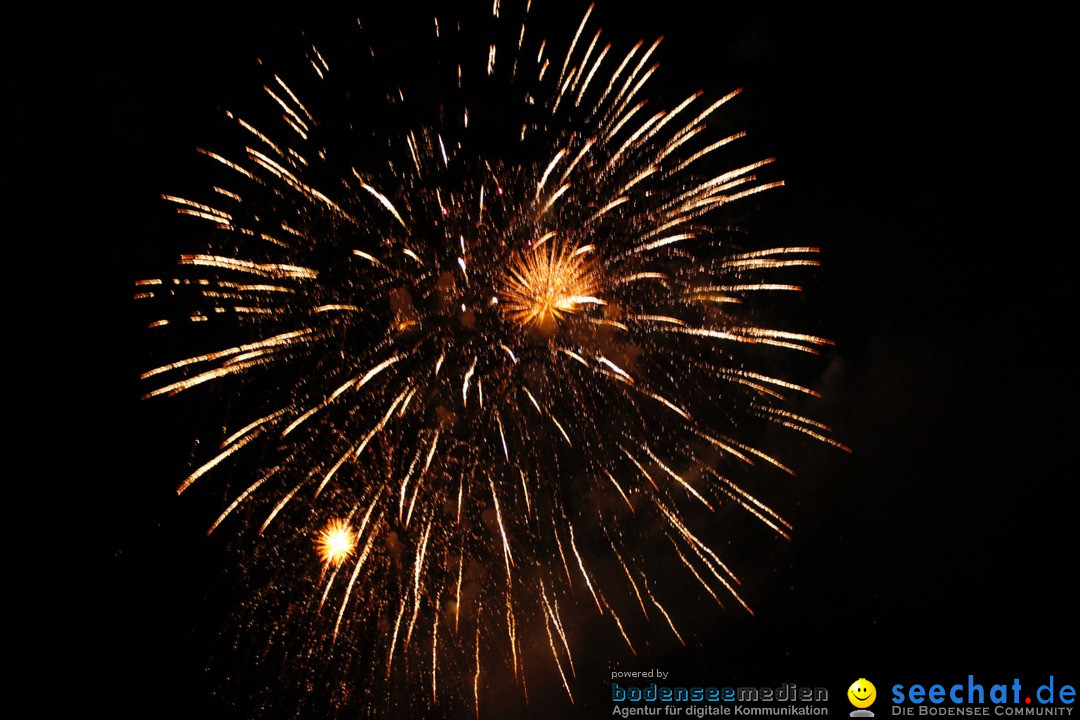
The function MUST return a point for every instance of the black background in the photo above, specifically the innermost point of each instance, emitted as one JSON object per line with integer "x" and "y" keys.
{"x": 928, "y": 155}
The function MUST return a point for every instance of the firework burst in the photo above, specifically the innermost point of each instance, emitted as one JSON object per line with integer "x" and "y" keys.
{"x": 477, "y": 357}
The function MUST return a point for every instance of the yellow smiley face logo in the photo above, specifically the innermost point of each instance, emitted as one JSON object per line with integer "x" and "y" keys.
{"x": 862, "y": 693}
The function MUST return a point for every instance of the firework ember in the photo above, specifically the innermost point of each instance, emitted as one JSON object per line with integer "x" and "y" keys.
{"x": 471, "y": 361}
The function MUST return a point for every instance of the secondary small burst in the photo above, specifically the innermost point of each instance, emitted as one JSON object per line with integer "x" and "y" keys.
{"x": 336, "y": 542}
{"x": 547, "y": 282}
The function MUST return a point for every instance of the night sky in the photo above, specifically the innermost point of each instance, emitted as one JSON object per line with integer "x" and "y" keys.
{"x": 929, "y": 158}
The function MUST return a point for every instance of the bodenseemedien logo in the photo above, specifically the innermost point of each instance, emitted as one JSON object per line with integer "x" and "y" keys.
{"x": 862, "y": 694}
{"x": 656, "y": 699}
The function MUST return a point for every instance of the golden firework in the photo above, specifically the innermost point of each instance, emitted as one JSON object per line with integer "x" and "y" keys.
{"x": 547, "y": 282}
{"x": 519, "y": 381}
{"x": 336, "y": 542}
